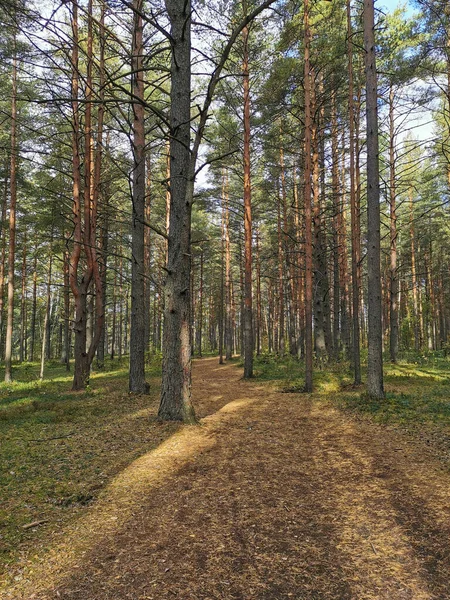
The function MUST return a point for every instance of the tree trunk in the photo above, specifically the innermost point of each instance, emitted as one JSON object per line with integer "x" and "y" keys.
{"x": 393, "y": 276}
{"x": 23, "y": 305}
{"x": 375, "y": 343}
{"x": 228, "y": 283}
{"x": 353, "y": 211}
{"x": 416, "y": 319}
{"x": 2, "y": 260}
{"x": 12, "y": 225}
{"x": 308, "y": 213}
{"x": 248, "y": 310}
{"x": 176, "y": 382}
{"x": 137, "y": 383}
{"x": 33, "y": 308}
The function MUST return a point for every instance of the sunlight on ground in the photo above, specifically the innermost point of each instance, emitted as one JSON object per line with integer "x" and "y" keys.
{"x": 119, "y": 499}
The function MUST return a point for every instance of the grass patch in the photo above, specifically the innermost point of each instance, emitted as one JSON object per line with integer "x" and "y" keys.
{"x": 417, "y": 392}
{"x": 58, "y": 448}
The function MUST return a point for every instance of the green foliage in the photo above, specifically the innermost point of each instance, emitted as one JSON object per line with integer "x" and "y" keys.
{"x": 59, "y": 449}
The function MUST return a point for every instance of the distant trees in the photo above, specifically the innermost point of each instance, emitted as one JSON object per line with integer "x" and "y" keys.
{"x": 130, "y": 103}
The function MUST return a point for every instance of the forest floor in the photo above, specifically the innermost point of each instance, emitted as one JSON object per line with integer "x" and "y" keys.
{"x": 274, "y": 496}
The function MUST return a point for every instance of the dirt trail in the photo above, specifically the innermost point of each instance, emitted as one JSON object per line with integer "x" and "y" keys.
{"x": 273, "y": 497}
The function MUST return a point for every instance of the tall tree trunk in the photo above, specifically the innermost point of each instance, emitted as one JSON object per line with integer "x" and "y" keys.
{"x": 393, "y": 275}
{"x": 3, "y": 226}
{"x": 416, "y": 308}
{"x": 176, "y": 383}
{"x": 137, "y": 381}
{"x": 200, "y": 308}
{"x": 65, "y": 355}
{"x": 375, "y": 342}
{"x": 281, "y": 305}
{"x": 12, "y": 224}
{"x": 228, "y": 283}
{"x": 353, "y": 210}
{"x": 46, "y": 328}
{"x": 147, "y": 252}
{"x": 248, "y": 301}
{"x": 33, "y": 308}
{"x": 23, "y": 304}
{"x": 258, "y": 296}
{"x": 308, "y": 212}
{"x": 337, "y": 317}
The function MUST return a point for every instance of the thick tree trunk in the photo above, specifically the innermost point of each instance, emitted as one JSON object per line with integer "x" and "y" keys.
{"x": 176, "y": 383}
{"x": 375, "y": 347}
{"x": 137, "y": 383}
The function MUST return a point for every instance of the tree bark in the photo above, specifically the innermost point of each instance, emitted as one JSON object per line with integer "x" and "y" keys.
{"x": 308, "y": 213}
{"x": 353, "y": 211}
{"x": 248, "y": 300}
{"x": 137, "y": 383}
{"x": 393, "y": 275}
{"x": 12, "y": 225}
{"x": 176, "y": 383}
{"x": 375, "y": 342}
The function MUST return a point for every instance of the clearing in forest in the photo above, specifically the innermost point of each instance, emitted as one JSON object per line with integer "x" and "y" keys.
{"x": 274, "y": 496}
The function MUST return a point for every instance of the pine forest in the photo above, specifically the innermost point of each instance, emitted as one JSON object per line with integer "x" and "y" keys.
{"x": 231, "y": 214}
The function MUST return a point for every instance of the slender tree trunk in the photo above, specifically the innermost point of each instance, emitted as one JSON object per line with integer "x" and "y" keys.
{"x": 248, "y": 309}
{"x": 258, "y": 296}
{"x": 200, "y": 308}
{"x": 308, "y": 212}
{"x": 353, "y": 211}
{"x": 12, "y": 225}
{"x": 375, "y": 346}
{"x": 147, "y": 252}
{"x": 46, "y": 329}
{"x": 416, "y": 319}
{"x": 228, "y": 283}
{"x": 23, "y": 304}
{"x": 3, "y": 226}
{"x": 222, "y": 285}
{"x": 337, "y": 317}
{"x": 137, "y": 381}
{"x": 66, "y": 324}
{"x": 281, "y": 304}
{"x": 33, "y": 308}
{"x": 393, "y": 276}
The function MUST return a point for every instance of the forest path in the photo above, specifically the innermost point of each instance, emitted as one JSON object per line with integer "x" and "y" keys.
{"x": 275, "y": 496}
